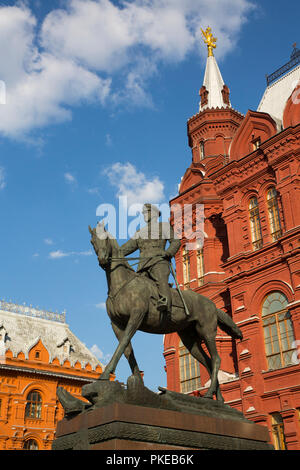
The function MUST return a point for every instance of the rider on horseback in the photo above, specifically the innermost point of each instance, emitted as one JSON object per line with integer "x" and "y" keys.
{"x": 154, "y": 258}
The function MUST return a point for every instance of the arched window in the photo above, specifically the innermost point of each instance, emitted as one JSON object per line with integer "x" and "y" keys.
{"x": 273, "y": 211}
{"x": 255, "y": 226}
{"x": 33, "y": 407}
{"x": 189, "y": 370}
{"x": 278, "y": 331}
{"x": 278, "y": 431}
{"x": 30, "y": 444}
{"x": 186, "y": 268}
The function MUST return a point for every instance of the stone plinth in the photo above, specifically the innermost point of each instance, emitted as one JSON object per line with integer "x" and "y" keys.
{"x": 120, "y": 426}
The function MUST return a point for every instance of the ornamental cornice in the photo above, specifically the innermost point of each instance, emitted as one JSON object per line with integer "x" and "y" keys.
{"x": 238, "y": 172}
{"x": 188, "y": 195}
{"x": 275, "y": 147}
{"x": 291, "y": 369}
{"x": 32, "y": 371}
{"x": 247, "y": 263}
{"x": 281, "y": 149}
{"x": 215, "y": 112}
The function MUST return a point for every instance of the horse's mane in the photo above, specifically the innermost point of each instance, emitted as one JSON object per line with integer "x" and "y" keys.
{"x": 115, "y": 245}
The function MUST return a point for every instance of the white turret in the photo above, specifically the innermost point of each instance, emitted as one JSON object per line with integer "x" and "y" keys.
{"x": 214, "y": 93}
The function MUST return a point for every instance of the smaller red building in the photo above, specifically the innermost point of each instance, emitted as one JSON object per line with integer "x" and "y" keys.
{"x": 38, "y": 353}
{"x": 245, "y": 172}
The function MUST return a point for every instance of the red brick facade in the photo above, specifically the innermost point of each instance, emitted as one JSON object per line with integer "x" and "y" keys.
{"x": 245, "y": 171}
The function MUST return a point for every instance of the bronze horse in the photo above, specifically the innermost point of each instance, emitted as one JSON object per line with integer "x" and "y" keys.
{"x": 131, "y": 306}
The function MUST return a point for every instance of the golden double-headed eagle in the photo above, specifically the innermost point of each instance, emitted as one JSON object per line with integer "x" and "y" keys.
{"x": 210, "y": 40}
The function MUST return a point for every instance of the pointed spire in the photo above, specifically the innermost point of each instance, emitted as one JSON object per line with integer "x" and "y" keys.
{"x": 214, "y": 93}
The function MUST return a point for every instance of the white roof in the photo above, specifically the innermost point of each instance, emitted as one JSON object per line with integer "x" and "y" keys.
{"x": 276, "y": 95}
{"x": 214, "y": 84}
{"x": 20, "y": 332}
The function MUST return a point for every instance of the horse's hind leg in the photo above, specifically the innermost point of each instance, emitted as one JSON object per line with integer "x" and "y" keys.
{"x": 191, "y": 341}
{"x": 210, "y": 342}
{"x": 128, "y": 352}
{"x": 219, "y": 396}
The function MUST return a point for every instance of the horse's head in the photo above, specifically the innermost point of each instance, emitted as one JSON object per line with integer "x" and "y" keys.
{"x": 101, "y": 241}
{"x": 107, "y": 247}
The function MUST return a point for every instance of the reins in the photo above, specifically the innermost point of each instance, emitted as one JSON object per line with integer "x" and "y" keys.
{"x": 134, "y": 277}
{"x": 112, "y": 297}
{"x": 134, "y": 259}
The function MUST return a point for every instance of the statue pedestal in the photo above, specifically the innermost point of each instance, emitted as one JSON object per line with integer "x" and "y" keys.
{"x": 120, "y": 426}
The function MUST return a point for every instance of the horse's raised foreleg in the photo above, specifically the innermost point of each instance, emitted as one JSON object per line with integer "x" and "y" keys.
{"x": 132, "y": 326}
{"x": 128, "y": 352}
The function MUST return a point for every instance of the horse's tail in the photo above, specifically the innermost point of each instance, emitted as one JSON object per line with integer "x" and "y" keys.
{"x": 226, "y": 324}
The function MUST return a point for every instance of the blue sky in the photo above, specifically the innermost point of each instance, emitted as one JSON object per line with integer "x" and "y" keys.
{"x": 95, "y": 88}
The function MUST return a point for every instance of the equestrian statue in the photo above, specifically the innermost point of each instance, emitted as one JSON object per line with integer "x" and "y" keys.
{"x": 143, "y": 300}
{"x": 146, "y": 302}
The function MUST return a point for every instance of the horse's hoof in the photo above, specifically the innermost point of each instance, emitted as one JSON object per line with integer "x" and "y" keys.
{"x": 208, "y": 396}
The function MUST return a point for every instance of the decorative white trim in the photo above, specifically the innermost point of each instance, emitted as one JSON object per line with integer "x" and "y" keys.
{"x": 242, "y": 307}
{"x": 251, "y": 408}
{"x": 289, "y": 285}
{"x": 255, "y": 317}
{"x": 245, "y": 351}
{"x": 172, "y": 349}
{"x": 214, "y": 272}
{"x": 32, "y": 312}
{"x": 293, "y": 303}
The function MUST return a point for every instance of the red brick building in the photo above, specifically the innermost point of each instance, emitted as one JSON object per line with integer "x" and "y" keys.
{"x": 245, "y": 172}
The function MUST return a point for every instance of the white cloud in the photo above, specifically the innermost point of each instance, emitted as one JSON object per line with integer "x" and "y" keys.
{"x": 104, "y": 36}
{"x": 97, "y": 33}
{"x": 48, "y": 241}
{"x": 63, "y": 254}
{"x": 58, "y": 254}
{"x": 40, "y": 87}
{"x": 104, "y": 358}
{"x": 2, "y": 178}
{"x": 135, "y": 185}
{"x": 17, "y": 52}
{"x": 101, "y": 52}
{"x": 70, "y": 178}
